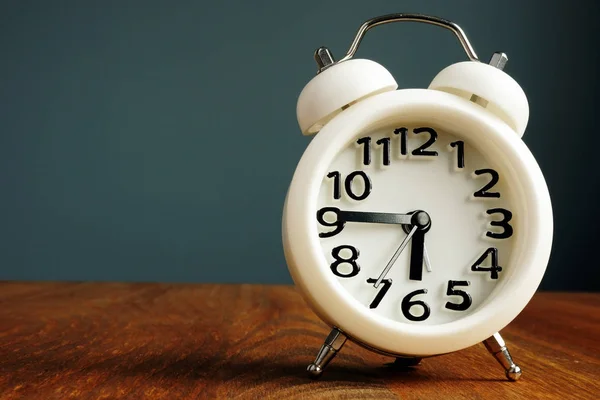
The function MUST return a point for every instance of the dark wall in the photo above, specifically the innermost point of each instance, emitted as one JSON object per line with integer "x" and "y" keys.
{"x": 153, "y": 140}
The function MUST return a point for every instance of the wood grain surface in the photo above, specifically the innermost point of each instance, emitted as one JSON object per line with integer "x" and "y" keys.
{"x": 161, "y": 341}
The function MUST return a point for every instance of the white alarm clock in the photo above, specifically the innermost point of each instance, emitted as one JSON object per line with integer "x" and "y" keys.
{"x": 417, "y": 221}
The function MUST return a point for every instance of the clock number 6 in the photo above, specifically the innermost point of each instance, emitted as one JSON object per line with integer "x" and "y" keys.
{"x": 408, "y": 303}
{"x": 349, "y": 260}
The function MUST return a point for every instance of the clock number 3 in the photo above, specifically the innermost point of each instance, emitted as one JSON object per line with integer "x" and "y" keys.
{"x": 507, "y": 229}
{"x": 340, "y": 260}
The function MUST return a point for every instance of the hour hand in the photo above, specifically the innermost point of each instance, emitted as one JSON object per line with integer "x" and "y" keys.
{"x": 416, "y": 256}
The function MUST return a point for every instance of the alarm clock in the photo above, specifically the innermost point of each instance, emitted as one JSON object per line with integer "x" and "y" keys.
{"x": 417, "y": 221}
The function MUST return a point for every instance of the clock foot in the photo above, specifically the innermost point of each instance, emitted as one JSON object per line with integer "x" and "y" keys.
{"x": 407, "y": 361}
{"x": 334, "y": 342}
{"x": 496, "y": 346}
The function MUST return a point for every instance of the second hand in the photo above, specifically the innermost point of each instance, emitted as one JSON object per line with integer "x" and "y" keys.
{"x": 395, "y": 257}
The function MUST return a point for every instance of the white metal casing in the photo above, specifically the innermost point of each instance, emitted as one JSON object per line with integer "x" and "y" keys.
{"x": 505, "y": 97}
{"x": 495, "y": 140}
{"x": 337, "y": 87}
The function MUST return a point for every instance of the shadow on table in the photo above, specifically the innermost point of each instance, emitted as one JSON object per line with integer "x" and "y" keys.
{"x": 196, "y": 366}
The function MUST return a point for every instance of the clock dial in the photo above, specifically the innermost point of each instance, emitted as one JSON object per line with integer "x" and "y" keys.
{"x": 415, "y": 224}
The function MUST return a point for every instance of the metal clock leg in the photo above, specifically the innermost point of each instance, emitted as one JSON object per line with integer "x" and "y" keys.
{"x": 334, "y": 342}
{"x": 496, "y": 346}
{"x": 407, "y": 361}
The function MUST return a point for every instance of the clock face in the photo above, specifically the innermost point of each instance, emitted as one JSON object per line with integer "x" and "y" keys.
{"x": 415, "y": 224}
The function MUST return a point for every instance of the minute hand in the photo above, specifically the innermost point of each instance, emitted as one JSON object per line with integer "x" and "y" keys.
{"x": 375, "y": 217}
{"x": 395, "y": 257}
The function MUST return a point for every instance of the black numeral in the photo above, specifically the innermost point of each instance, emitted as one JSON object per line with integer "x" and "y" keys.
{"x": 338, "y": 223}
{"x": 366, "y": 141}
{"x": 494, "y": 269}
{"x": 367, "y": 185}
{"x": 466, "y": 297}
{"x": 460, "y": 152}
{"x": 336, "y": 184}
{"x": 407, "y": 304}
{"x": 339, "y": 261}
{"x": 504, "y": 223}
{"x": 385, "y": 142}
{"x": 402, "y": 132}
{"x": 483, "y": 192}
{"x": 420, "y": 151}
{"x": 348, "y": 185}
{"x": 387, "y": 283}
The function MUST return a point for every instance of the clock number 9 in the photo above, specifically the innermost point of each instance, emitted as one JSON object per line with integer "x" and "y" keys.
{"x": 408, "y": 303}
{"x": 337, "y": 185}
{"x": 339, "y": 223}
{"x": 339, "y": 260}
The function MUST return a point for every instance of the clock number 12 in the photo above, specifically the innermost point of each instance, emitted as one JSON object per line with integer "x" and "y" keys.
{"x": 421, "y": 150}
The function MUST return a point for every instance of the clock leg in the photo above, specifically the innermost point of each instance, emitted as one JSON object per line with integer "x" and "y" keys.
{"x": 496, "y": 346}
{"x": 407, "y": 361}
{"x": 334, "y": 342}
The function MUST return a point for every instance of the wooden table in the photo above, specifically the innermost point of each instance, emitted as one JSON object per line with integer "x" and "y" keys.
{"x": 160, "y": 341}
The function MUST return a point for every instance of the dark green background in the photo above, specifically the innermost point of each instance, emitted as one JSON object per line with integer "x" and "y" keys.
{"x": 154, "y": 140}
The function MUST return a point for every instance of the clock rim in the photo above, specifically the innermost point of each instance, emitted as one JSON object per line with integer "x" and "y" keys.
{"x": 533, "y": 214}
